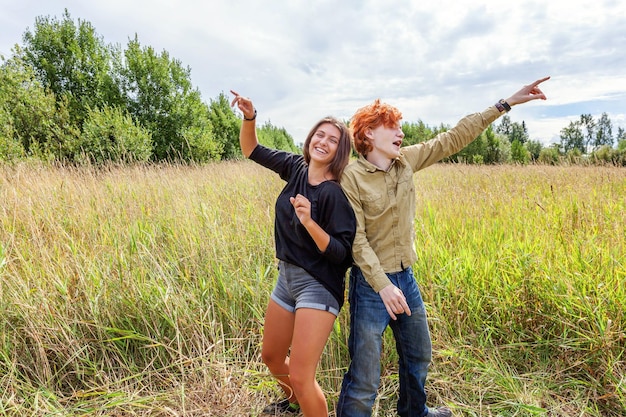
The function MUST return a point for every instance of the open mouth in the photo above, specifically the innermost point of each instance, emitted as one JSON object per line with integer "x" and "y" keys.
{"x": 398, "y": 143}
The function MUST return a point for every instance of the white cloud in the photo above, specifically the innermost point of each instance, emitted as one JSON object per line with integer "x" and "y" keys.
{"x": 436, "y": 61}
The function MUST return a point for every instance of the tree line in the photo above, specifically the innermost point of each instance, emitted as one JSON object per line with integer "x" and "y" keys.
{"x": 67, "y": 96}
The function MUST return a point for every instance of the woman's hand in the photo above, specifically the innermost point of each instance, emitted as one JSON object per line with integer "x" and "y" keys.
{"x": 244, "y": 104}
{"x": 302, "y": 205}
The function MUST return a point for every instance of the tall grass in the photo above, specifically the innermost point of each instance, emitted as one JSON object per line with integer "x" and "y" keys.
{"x": 141, "y": 291}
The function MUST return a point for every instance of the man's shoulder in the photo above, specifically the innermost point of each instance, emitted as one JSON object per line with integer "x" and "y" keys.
{"x": 353, "y": 170}
{"x": 358, "y": 165}
{"x": 351, "y": 166}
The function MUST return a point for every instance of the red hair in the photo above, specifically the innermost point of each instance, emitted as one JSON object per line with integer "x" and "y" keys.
{"x": 370, "y": 117}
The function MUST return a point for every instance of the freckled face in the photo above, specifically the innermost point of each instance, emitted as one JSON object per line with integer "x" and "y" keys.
{"x": 386, "y": 141}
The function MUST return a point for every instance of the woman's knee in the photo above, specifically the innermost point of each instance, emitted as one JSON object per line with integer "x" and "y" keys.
{"x": 301, "y": 381}
{"x": 272, "y": 358}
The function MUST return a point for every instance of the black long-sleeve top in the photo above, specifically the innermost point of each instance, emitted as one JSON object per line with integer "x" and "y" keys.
{"x": 330, "y": 209}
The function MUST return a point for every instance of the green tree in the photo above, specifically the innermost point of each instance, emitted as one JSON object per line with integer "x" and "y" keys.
{"x": 512, "y": 130}
{"x": 604, "y": 132}
{"x": 589, "y": 125}
{"x": 504, "y": 127}
{"x": 519, "y": 132}
{"x": 277, "y": 138}
{"x": 159, "y": 95}
{"x": 550, "y": 156}
{"x": 73, "y": 62}
{"x": 225, "y": 126}
{"x": 620, "y": 138}
{"x": 534, "y": 148}
{"x": 39, "y": 123}
{"x": 199, "y": 145}
{"x": 474, "y": 152}
{"x": 572, "y": 137}
{"x": 519, "y": 153}
{"x": 416, "y": 132}
{"x": 493, "y": 150}
{"x": 10, "y": 148}
{"x": 111, "y": 135}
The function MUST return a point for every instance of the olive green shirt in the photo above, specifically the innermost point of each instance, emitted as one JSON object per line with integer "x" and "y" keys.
{"x": 384, "y": 201}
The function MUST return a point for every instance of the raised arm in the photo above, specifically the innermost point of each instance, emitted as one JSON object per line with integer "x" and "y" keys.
{"x": 247, "y": 135}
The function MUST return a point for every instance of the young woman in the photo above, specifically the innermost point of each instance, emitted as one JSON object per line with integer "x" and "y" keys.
{"x": 314, "y": 229}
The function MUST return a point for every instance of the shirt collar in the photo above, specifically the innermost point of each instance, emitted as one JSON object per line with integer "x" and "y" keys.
{"x": 369, "y": 167}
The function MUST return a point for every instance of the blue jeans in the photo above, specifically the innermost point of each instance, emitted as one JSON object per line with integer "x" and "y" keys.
{"x": 368, "y": 321}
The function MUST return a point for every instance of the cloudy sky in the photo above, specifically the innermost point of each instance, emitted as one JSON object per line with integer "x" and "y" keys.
{"x": 435, "y": 60}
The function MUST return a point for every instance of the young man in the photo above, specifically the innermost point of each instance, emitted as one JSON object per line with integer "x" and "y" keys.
{"x": 383, "y": 291}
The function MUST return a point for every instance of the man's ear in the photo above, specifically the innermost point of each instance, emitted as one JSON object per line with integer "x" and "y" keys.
{"x": 369, "y": 133}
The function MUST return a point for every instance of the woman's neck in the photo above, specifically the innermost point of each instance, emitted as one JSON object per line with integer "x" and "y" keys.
{"x": 318, "y": 174}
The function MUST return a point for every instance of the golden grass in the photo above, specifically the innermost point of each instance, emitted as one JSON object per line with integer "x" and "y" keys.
{"x": 141, "y": 290}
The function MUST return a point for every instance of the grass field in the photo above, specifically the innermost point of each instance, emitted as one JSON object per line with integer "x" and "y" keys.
{"x": 141, "y": 291}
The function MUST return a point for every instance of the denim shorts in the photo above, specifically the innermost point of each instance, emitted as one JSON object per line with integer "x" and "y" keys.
{"x": 296, "y": 288}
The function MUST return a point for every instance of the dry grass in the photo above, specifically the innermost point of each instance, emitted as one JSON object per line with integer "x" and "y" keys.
{"x": 141, "y": 291}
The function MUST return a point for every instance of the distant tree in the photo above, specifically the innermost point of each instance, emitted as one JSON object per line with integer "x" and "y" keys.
{"x": 549, "y": 156}
{"x": 504, "y": 127}
{"x": 588, "y": 129}
{"x": 416, "y": 132}
{"x": 519, "y": 153}
{"x": 73, "y": 62}
{"x": 493, "y": 151}
{"x": 572, "y": 137}
{"x": 621, "y": 140}
{"x": 604, "y": 132}
{"x": 573, "y": 156}
{"x": 159, "y": 95}
{"x": 534, "y": 148}
{"x": 10, "y": 148}
{"x": 277, "y": 138}
{"x": 512, "y": 130}
{"x": 225, "y": 126}
{"x": 111, "y": 135}
{"x": 519, "y": 132}
{"x": 199, "y": 144}
{"x": 39, "y": 123}
{"x": 607, "y": 155}
{"x": 472, "y": 153}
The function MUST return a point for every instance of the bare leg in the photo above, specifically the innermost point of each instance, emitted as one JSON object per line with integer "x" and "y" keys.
{"x": 310, "y": 334}
{"x": 277, "y": 334}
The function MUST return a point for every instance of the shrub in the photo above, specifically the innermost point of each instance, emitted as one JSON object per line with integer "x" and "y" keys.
{"x": 109, "y": 135}
{"x": 10, "y": 148}
{"x": 549, "y": 156}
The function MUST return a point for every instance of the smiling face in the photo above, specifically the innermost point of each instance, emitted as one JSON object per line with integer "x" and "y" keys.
{"x": 324, "y": 143}
{"x": 328, "y": 144}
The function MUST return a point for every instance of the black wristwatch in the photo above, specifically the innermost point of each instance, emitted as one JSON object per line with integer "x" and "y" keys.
{"x": 502, "y": 105}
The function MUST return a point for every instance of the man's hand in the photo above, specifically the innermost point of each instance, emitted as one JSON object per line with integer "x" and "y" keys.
{"x": 527, "y": 93}
{"x": 394, "y": 301}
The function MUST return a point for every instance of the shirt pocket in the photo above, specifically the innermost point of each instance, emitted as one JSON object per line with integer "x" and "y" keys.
{"x": 373, "y": 203}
